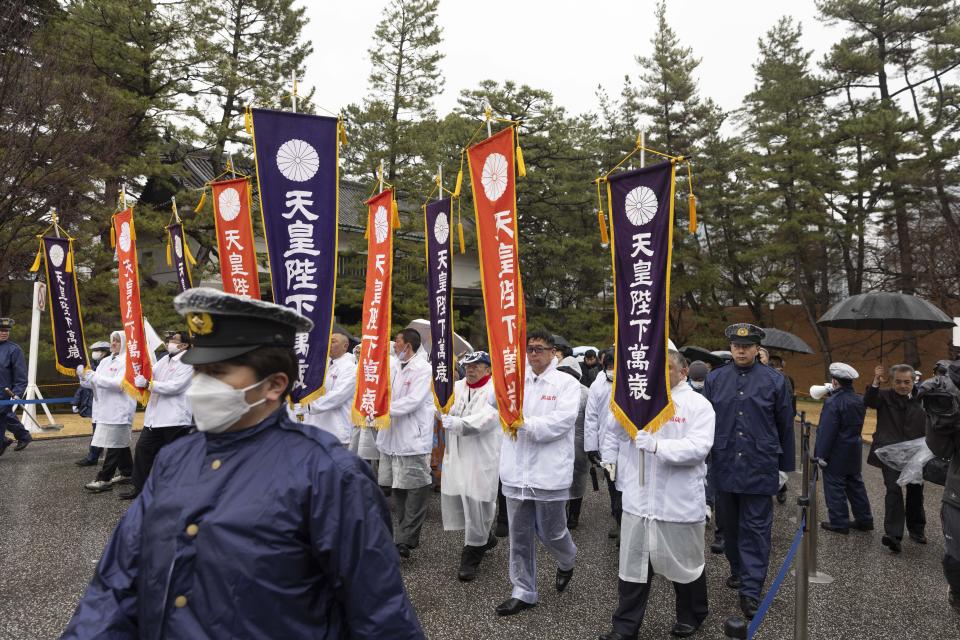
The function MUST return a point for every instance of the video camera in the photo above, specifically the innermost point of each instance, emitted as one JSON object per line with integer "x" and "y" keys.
{"x": 940, "y": 395}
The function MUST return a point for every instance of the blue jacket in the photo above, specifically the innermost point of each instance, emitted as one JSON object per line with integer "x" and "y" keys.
{"x": 838, "y": 434}
{"x": 83, "y": 401}
{"x": 13, "y": 371}
{"x": 754, "y": 428}
{"x": 276, "y": 531}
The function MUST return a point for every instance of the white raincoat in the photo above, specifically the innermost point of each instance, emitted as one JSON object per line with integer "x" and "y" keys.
{"x": 470, "y": 463}
{"x": 168, "y": 405}
{"x": 597, "y": 417}
{"x": 112, "y": 407}
{"x": 663, "y": 520}
{"x": 411, "y": 410}
{"x": 331, "y": 411}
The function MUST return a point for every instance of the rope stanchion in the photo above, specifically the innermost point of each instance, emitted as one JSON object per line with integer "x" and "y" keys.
{"x": 7, "y": 403}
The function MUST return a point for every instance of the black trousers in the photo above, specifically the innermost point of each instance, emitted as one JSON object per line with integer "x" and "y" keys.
{"x": 116, "y": 459}
{"x": 894, "y": 513}
{"x": 950, "y": 517}
{"x": 148, "y": 446}
{"x": 501, "y": 506}
{"x": 616, "y": 498}
{"x": 691, "y": 604}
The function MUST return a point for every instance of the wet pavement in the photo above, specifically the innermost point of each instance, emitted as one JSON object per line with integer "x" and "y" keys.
{"x": 52, "y": 534}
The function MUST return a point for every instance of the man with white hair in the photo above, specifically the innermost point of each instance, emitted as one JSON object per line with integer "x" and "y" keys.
{"x": 113, "y": 414}
{"x": 839, "y": 444}
{"x": 664, "y": 514}
{"x": 471, "y": 459}
{"x": 331, "y": 411}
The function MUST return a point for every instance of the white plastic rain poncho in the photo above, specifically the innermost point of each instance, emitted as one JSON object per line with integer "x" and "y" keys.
{"x": 471, "y": 460}
{"x": 113, "y": 408}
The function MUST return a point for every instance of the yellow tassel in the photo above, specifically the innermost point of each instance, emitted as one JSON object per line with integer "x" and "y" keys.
{"x": 463, "y": 245}
{"x": 456, "y": 189}
{"x": 201, "y": 202}
{"x": 169, "y": 253}
{"x": 343, "y": 134}
{"x": 604, "y": 236}
{"x": 113, "y": 235}
{"x": 69, "y": 267}
{"x": 521, "y": 167}
{"x": 693, "y": 213}
{"x": 396, "y": 215}
{"x": 186, "y": 250}
{"x": 36, "y": 263}
{"x": 366, "y": 232}
{"x": 248, "y": 120}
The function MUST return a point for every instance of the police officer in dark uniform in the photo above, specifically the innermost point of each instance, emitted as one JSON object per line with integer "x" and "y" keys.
{"x": 13, "y": 376}
{"x": 753, "y": 442}
{"x": 840, "y": 445}
{"x": 255, "y": 526}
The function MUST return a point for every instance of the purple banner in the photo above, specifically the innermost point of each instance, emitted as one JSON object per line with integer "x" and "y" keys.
{"x": 641, "y": 212}
{"x": 296, "y": 157}
{"x": 66, "y": 322}
{"x": 439, "y": 245}
{"x": 177, "y": 253}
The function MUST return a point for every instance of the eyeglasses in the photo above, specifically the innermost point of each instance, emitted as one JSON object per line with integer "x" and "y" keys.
{"x": 537, "y": 349}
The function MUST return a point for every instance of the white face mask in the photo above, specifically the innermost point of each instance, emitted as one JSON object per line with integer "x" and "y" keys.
{"x": 216, "y": 405}
{"x": 173, "y": 348}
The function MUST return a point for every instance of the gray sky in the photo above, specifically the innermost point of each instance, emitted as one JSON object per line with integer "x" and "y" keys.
{"x": 567, "y": 47}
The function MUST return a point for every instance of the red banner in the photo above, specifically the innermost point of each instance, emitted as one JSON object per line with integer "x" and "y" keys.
{"x": 371, "y": 404}
{"x": 138, "y": 353}
{"x": 235, "y": 244}
{"x": 493, "y": 181}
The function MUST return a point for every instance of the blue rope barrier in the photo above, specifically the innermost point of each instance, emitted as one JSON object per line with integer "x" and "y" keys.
{"x": 775, "y": 586}
{"x": 7, "y": 403}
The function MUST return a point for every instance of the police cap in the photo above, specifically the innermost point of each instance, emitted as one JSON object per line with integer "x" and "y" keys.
{"x": 6, "y": 324}
{"x": 744, "y": 333}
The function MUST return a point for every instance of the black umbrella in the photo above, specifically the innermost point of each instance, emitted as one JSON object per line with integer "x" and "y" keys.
{"x": 784, "y": 341}
{"x": 882, "y": 311}
{"x": 692, "y": 353}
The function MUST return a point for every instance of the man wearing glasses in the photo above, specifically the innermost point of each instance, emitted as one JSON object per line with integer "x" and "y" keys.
{"x": 536, "y": 470}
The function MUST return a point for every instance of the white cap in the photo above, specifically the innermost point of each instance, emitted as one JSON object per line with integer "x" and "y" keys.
{"x": 842, "y": 371}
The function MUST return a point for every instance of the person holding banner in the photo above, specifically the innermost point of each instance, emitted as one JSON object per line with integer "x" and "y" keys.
{"x": 168, "y": 415}
{"x": 255, "y": 526}
{"x": 468, "y": 494}
{"x": 406, "y": 444}
{"x": 98, "y": 351}
{"x": 753, "y": 443}
{"x": 113, "y": 414}
{"x": 331, "y": 411}
{"x": 536, "y": 469}
{"x": 664, "y": 515}
{"x": 13, "y": 376}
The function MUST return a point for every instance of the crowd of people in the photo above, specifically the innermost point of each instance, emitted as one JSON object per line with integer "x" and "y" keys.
{"x": 315, "y": 547}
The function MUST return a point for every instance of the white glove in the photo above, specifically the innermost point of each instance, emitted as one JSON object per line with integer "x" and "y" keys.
{"x": 76, "y": 409}
{"x": 646, "y": 442}
{"x": 140, "y": 382}
{"x": 611, "y": 469}
{"x": 80, "y": 370}
{"x": 450, "y": 422}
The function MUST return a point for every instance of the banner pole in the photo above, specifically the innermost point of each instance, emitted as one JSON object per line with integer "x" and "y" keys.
{"x": 294, "y": 74}
{"x": 643, "y": 150}
{"x": 380, "y": 176}
{"x": 487, "y": 112}
{"x": 439, "y": 182}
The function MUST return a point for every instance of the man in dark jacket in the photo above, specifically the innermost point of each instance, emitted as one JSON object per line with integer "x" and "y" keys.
{"x": 941, "y": 400}
{"x": 839, "y": 444}
{"x": 900, "y": 418}
{"x": 13, "y": 376}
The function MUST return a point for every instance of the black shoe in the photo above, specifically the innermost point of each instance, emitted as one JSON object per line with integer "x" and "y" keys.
{"x": 683, "y": 630}
{"x": 563, "y": 579}
{"x": 733, "y": 582}
{"x": 919, "y": 538}
{"x": 513, "y": 606}
{"x": 573, "y": 522}
{"x": 129, "y": 495}
{"x": 614, "y": 532}
{"x": 834, "y": 528}
{"x": 954, "y": 599}
{"x": 470, "y": 559}
{"x": 491, "y": 543}
{"x": 86, "y": 462}
{"x": 501, "y": 530}
{"x": 782, "y": 495}
{"x": 22, "y": 444}
{"x": 403, "y": 550}
{"x": 716, "y": 546}
{"x": 613, "y": 635}
{"x": 749, "y": 606}
{"x": 892, "y": 543}
{"x": 862, "y": 526}
{"x": 4, "y": 445}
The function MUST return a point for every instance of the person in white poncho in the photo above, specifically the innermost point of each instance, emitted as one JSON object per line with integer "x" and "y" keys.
{"x": 663, "y": 522}
{"x": 471, "y": 462}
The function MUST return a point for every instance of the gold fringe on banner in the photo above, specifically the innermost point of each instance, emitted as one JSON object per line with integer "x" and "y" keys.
{"x": 36, "y": 263}
{"x": 201, "y": 202}
{"x": 69, "y": 267}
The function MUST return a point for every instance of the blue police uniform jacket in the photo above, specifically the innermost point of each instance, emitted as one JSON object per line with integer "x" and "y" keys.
{"x": 838, "y": 434}
{"x": 83, "y": 401}
{"x": 275, "y": 531}
{"x": 13, "y": 371}
{"x": 754, "y": 428}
